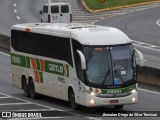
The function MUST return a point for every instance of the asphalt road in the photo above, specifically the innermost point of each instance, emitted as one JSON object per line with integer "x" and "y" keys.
{"x": 140, "y": 26}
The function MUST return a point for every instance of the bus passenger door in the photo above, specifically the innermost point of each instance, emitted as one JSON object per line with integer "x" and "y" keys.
{"x": 47, "y": 86}
{"x": 61, "y": 87}
{"x": 79, "y": 91}
{"x": 52, "y": 85}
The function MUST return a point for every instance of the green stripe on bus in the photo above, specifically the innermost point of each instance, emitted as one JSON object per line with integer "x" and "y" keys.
{"x": 28, "y": 62}
{"x": 50, "y": 67}
{"x": 41, "y": 77}
{"x": 119, "y": 90}
{"x": 37, "y": 64}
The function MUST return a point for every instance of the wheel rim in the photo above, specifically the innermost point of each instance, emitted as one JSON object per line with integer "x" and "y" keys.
{"x": 32, "y": 91}
{"x": 25, "y": 87}
{"x": 72, "y": 100}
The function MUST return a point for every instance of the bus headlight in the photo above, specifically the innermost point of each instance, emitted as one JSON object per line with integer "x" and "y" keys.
{"x": 92, "y": 101}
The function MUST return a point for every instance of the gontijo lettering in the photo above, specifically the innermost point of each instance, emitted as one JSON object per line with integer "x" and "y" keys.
{"x": 55, "y": 68}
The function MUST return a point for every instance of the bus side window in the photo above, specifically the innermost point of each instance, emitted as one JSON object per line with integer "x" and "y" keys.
{"x": 79, "y": 71}
{"x": 64, "y": 9}
{"x": 64, "y": 50}
{"x": 18, "y": 40}
{"x": 54, "y": 9}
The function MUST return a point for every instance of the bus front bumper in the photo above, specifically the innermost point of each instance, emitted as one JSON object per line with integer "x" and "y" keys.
{"x": 93, "y": 101}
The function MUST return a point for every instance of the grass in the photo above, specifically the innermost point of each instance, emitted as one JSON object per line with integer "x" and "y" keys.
{"x": 96, "y": 4}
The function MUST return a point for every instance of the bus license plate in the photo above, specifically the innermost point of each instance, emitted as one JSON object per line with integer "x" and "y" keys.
{"x": 113, "y": 101}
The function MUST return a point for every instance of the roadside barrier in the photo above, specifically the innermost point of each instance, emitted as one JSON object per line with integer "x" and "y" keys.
{"x": 4, "y": 42}
{"x": 148, "y": 75}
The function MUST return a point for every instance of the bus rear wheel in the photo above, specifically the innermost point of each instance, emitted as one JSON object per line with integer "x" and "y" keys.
{"x": 118, "y": 106}
{"x": 26, "y": 88}
{"x": 72, "y": 100}
{"x": 33, "y": 94}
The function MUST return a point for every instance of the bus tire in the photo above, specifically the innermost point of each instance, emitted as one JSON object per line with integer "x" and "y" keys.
{"x": 33, "y": 94}
{"x": 118, "y": 106}
{"x": 72, "y": 100}
{"x": 25, "y": 87}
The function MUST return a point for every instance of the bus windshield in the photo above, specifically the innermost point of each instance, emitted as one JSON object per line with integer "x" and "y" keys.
{"x": 110, "y": 66}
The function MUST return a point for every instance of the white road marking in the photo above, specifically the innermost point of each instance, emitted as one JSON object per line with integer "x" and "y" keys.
{"x": 146, "y": 45}
{"x": 158, "y": 22}
{"x": 144, "y": 60}
{"x": 14, "y": 4}
{"x": 92, "y": 118}
{"x": 4, "y": 94}
{"x": 18, "y": 17}
{"x": 4, "y": 54}
{"x": 29, "y": 102}
{"x": 4, "y": 97}
{"x": 13, "y": 104}
{"x": 15, "y": 10}
{"x": 149, "y": 91}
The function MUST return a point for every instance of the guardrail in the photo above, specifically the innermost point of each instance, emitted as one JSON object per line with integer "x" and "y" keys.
{"x": 145, "y": 75}
{"x": 148, "y": 75}
{"x": 4, "y": 42}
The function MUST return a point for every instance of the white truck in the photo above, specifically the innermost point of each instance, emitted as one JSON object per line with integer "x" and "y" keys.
{"x": 56, "y": 13}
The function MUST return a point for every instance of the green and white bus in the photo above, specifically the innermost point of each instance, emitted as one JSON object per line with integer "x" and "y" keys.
{"x": 84, "y": 64}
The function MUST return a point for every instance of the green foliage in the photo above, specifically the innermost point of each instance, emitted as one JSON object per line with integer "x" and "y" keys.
{"x": 96, "y": 4}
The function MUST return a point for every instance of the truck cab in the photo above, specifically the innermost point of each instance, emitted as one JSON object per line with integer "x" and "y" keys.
{"x": 56, "y": 13}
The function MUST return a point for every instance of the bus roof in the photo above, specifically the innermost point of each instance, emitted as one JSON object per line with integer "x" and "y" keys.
{"x": 86, "y": 34}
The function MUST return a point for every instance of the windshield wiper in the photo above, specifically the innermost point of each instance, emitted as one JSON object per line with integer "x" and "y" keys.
{"x": 116, "y": 71}
{"x": 108, "y": 72}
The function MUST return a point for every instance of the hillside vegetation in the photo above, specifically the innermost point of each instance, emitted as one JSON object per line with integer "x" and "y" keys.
{"x": 96, "y": 4}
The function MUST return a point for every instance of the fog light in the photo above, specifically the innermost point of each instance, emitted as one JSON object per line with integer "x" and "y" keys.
{"x": 92, "y": 93}
{"x": 133, "y": 99}
{"x": 92, "y": 101}
{"x": 133, "y": 91}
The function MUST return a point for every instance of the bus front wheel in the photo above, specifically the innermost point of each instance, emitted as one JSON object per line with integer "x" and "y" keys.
{"x": 72, "y": 100}
{"x": 118, "y": 106}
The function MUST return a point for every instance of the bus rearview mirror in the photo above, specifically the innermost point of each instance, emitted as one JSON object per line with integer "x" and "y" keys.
{"x": 83, "y": 60}
{"x": 141, "y": 58}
